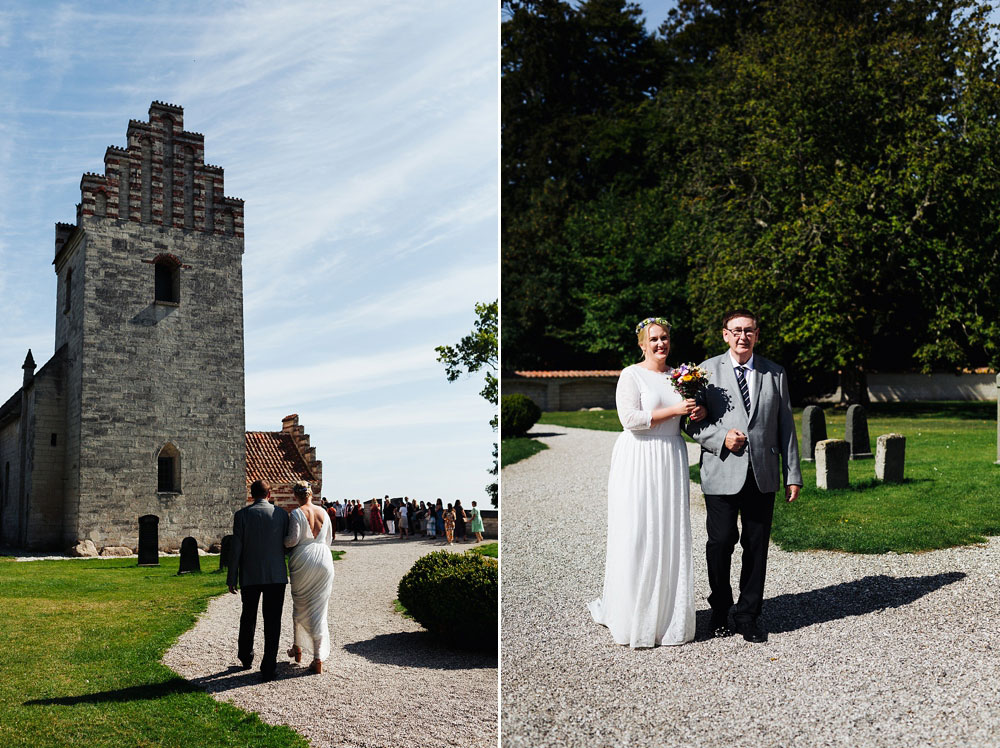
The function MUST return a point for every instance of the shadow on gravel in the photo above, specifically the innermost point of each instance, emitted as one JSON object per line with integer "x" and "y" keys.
{"x": 233, "y": 677}
{"x": 419, "y": 649}
{"x": 541, "y": 434}
{"x": 866, "y": 595}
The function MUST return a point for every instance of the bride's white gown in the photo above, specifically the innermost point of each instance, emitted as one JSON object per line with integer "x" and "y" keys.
{"x": 648, "y": 595}
{"x": 310, "y": 567}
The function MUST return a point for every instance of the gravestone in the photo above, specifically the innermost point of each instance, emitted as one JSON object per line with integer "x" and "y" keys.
{"x": 831, "y": 463}
{"x": 856, "y": 433}
{"x": 813, "y": 431}
{"x": 890, "y": 455}
{"x": 190, "y": 560}
{"x": 227, "y": 545}
{"x": 149, "y": 540}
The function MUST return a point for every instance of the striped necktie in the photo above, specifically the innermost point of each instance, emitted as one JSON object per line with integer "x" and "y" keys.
{"x": 744, "y": 387}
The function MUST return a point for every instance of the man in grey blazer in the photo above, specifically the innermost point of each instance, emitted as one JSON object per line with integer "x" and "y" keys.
{"x": 748, "y": 429}
{"x": 257, "y": 567}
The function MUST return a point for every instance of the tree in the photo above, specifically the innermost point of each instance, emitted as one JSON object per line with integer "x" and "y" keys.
{"x": 842, "y": 168}
{"x": 474, "y": 352}
{"x": 571, "y": 78}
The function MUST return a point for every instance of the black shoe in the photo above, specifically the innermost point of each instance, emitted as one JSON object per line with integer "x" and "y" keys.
{"x": 266, "y": 676}
{"x": 752, "y": 631}
{"x": 719, "y": 625}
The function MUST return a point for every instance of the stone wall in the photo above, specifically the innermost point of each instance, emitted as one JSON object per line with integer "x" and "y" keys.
{"x": 46, "y": 454}
{"x": 156, "y": 373}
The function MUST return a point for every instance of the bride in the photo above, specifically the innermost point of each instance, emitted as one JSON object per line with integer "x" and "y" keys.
{"x": 648, "y": 595}
{"x": 310, "y": 567}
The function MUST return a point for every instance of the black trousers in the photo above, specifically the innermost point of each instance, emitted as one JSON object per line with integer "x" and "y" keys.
{"x": 274, "y": 599}
{"x": 755, "y": 510}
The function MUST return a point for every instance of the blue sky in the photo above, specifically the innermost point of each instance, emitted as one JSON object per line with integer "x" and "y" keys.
{"x": 363, "y": 137}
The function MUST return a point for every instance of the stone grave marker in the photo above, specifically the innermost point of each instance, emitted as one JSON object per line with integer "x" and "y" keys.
{"x": 149, "y": 540}
{"x": 831, "y": 463}
{"x": 856, "y": 433}
{"x": 227, "y": 545}
{"x": 190, "y": 561}
{"x": 813, "y": 431}
{"x": 890, "y": 455}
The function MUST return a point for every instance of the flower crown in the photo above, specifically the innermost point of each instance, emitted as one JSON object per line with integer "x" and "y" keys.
{"x": 652, "y": 321}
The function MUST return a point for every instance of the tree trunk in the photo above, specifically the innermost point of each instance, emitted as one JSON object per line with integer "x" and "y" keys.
{"x": 854, "y": 386}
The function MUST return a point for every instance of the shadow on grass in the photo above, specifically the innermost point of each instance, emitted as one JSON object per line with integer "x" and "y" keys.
{"x": 419, "y": 649}
{"x": 132, "y": 693}
{"x": 860, "y": 597}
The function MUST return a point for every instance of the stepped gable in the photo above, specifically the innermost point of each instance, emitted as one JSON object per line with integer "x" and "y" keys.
{"x": 159, "y": 178}
{"x": 281, "y": 458}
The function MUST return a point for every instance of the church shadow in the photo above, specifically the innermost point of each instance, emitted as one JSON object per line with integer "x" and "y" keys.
{"x": 859, "y": 597}
{"x": 132, "y": 693}
{"x": 419, "y": 649}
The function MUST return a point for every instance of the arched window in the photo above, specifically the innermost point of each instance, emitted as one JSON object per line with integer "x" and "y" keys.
{"x": 168, "y": 280}
{"x": 168, "y": 469}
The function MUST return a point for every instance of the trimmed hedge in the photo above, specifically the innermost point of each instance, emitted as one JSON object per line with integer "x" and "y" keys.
{"x": 518, "y": 413}
{"x": 454, "y": 595}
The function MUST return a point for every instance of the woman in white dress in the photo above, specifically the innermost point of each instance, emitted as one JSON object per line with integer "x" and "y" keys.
{"x": 648, "y": 595}
{"x": 310, "y": 567}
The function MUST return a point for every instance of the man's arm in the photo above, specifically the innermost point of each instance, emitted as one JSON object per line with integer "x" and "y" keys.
{"x": 235, "y": 551}
{"x": 789, "y": 442}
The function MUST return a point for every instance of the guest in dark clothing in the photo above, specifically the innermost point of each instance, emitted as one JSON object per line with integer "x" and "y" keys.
{"x": 439, "y": 517}
{"x": 460, "y": 518}
{"x": 358, "y": 515}
{"x": 257, "y": 568}
{"x": 389, "y": 515}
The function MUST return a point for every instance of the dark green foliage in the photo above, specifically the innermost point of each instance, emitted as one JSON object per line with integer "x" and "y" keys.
{"x": 519, "y": 448}
{"x": 832, "y": 165}
{"x": 455, "y": 597}
{"x": 518, "y": 413}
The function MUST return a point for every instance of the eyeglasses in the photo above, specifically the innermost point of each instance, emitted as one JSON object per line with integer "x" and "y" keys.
{"x": 740, "y": 331}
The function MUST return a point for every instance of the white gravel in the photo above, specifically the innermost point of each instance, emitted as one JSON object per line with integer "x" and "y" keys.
{"x": 387, "y": 681}
{"x": 889, "y": 650}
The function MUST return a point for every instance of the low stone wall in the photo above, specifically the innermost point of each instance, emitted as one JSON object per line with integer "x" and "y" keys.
{"x": 894, "y": 388}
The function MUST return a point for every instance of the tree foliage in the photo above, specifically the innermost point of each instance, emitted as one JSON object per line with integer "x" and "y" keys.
{"x": 835, "y": 166}
{"x": 478, "y": 351}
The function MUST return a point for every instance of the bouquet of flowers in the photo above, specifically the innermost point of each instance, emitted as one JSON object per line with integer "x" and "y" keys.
{"x": 689, "y": 380}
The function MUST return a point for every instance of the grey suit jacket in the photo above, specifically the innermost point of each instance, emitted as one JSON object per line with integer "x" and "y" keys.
{"x": 769, "y": 427}
{"x": 258, "y": 548}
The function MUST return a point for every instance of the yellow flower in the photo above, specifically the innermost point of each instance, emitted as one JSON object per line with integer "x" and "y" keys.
{"x": 686, "y": 378}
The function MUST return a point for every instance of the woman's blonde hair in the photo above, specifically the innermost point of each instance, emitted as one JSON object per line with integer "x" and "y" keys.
{"x": 642, "y": 329}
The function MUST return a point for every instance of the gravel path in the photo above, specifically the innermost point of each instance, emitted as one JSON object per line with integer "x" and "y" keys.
{"x": 387, "y": 681}
{"x": 891, "y": 650}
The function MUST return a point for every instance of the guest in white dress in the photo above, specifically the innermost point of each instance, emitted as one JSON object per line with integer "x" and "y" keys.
{"x": 648, "y": 595}
{"x": 310, "y": 567}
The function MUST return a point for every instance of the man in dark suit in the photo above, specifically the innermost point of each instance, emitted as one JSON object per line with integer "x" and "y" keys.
{"x": 257, "y": 567}
{"x": 748, "y": 429}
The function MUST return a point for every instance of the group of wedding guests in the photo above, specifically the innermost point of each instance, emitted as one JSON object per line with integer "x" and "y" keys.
{"x": 410, "y": 518}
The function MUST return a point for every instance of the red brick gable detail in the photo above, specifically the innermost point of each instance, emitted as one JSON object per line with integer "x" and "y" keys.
{"x": 281, "y": 458}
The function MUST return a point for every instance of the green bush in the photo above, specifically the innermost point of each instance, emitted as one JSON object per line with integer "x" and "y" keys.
{"x": 454, "y": 595}
{"x": 518, "y": 413}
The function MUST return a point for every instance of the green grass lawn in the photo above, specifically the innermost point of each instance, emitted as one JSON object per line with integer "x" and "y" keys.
{"x": 488, "y": 549}
{"x": 80, "y": 644}
{"x": 519, "y": 448}
{"x": 951, "y": 495}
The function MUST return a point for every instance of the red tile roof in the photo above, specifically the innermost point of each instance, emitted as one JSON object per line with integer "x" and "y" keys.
{"x": 570, "y": 373}
{"x": 273, "y": 457}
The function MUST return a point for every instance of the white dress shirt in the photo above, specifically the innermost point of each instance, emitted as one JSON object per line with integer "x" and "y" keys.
{"x": 750, "y": 376}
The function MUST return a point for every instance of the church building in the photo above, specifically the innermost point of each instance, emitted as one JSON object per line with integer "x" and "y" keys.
{"x": 140, "y": 410}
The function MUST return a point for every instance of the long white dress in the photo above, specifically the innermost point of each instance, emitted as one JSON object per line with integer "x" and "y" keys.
{"x": 648, "y": 595}
{"x": 310, "y": 567}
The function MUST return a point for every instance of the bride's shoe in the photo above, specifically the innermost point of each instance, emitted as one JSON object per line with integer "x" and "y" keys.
{"x": 317, "y": 666}
{"x": 295, "y": 652}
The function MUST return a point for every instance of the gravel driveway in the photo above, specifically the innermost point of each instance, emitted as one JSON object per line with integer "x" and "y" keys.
{"x": 890, "y": 650}
{"x": 387, "y": 681}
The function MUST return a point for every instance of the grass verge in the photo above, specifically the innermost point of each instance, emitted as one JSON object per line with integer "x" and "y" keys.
{"x": 80, "y": 644}
{"x": 519, "y": 448}
{"x": 950, "y": 496}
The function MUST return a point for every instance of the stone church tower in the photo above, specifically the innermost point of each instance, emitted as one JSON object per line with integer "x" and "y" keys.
{"x": 141, "y": 408}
